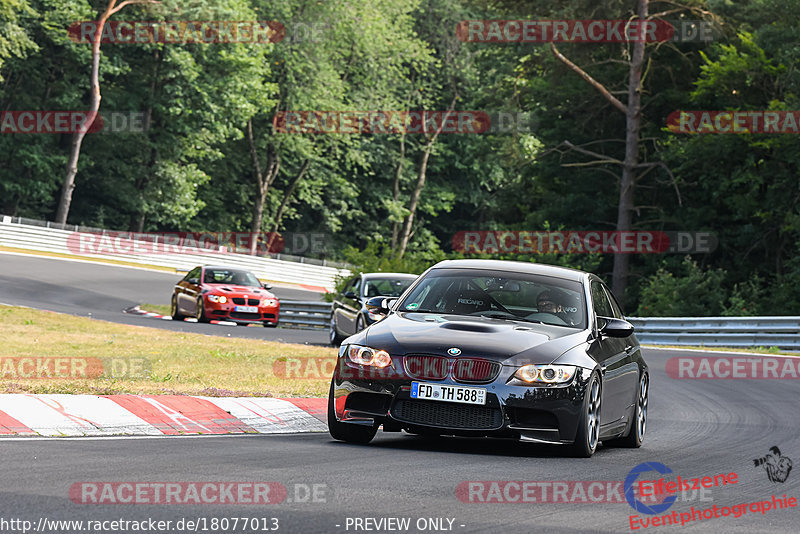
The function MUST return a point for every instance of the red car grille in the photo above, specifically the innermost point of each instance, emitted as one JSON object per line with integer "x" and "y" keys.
{"x": 475, "y": 370}
{"x": 427, "y": 367}
{"x": 241, "y": 301}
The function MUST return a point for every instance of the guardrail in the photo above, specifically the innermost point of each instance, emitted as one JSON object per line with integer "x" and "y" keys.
{"x": 782, "y": 332}
{"x": 305, "y": 314}
{"x": 40, "y": 237}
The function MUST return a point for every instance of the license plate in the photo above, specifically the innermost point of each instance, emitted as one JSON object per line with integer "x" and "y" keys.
{"x": 246, "y": 309}
{"x": 446, "y": 393}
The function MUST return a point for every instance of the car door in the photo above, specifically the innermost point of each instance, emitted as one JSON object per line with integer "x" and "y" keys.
{"x": 610, "y": 354}
{"x": 629, "y": 370}
{"x": 190, "y": 288}
{"x": 351, "y": 305}
{"x": 341, "y": 315}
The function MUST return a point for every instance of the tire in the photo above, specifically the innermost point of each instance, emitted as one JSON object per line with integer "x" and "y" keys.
{"x": 200, "y": 314}
{"x": 351, "y": 433}
{"x": 588, "y": 436}
{"x": 334, "y": 337}
{"x": 635, "y": 436}
{"x": 176, "y": 314}
{"x": 360, "y": 323}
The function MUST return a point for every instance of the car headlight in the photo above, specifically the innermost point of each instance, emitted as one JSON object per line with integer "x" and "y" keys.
{"x": 269, "y": 302}
{"x": 361, "y": 355}
{"x": 546, "y": 374}
{"x": 222, "y": 299}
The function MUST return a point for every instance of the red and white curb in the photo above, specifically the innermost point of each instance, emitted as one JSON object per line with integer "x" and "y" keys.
{"x": 138, "y": 311}
{"x": 157, "y": 415}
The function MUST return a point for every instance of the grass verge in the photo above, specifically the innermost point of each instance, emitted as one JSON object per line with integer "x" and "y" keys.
{"x": 175, "y": 362}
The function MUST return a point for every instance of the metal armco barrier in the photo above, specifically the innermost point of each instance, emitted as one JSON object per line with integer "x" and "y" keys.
{"x": 782, "y": 332}
{"x": 304, "y": 314}
{"x": 37, "y": 235}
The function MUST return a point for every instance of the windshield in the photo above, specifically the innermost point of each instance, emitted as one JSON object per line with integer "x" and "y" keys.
{"x": 230, "y": 276}
{"x": 499, "y": 295}
{"x": 386, "y": 287}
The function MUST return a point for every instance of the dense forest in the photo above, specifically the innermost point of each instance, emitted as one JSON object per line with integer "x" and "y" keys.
{"x": 590, "y": 147}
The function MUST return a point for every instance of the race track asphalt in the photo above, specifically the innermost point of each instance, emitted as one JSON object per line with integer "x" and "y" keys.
{"x": 104, "y": 291}
{"x": 696, "y": 427}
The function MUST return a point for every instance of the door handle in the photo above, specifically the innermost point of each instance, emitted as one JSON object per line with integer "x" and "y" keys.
{"x": 629, "y": 349}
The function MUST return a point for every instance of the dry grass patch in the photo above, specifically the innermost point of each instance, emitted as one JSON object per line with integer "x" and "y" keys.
{"x": 176, "y": 362}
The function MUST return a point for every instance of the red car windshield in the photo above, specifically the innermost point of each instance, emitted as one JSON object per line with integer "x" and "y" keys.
{"x": 230, "y": 276}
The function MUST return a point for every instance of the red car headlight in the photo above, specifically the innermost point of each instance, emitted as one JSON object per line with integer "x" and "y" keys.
{"x": 269, "y": 302}
{"x": 222, "y": 299}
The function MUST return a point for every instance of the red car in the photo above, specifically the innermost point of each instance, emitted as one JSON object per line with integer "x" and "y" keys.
{"x": 226, "y": 294}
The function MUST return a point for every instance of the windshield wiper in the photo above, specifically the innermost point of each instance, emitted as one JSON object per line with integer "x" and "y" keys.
{"x": 495, "y": 315}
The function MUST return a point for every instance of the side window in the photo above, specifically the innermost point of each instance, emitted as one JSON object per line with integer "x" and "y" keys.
{"x": 194, "y": 273}
{"x": 350, "y": 285}
{"x": 602, "y": 307}
{"x": 614, "y": 306}
{"x": 357, "y": 286}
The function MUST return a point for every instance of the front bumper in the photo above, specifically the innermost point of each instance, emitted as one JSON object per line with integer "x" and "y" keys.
{"x": 227, "y": 312}
{"x": 513, "y": 409}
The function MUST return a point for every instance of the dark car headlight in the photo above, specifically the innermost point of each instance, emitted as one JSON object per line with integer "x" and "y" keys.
{"x": 546, "y": 374}
{"x": 360, "y": 355}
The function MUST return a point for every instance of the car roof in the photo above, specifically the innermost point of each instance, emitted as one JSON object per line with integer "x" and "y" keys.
{"x": 408, "y": 276}
{"x": 514, "y": 266}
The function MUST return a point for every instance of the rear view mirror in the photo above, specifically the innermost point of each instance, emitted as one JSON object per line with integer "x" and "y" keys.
{"x": 194, "y": 281}
{"x": 615, "y": 327}
{"x": 380, "y": 305}
{"x": 350, "y": 295}
{"x": 266, "y": 286}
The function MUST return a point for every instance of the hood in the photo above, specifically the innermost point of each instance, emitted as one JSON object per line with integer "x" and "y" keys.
{"x": 493, "y": 339}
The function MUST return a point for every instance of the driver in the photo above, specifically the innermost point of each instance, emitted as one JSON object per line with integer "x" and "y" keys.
{"x": 548, "y": 302}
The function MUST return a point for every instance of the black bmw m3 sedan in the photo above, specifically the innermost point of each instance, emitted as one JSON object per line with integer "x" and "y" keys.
{"x": 493, "y": 348}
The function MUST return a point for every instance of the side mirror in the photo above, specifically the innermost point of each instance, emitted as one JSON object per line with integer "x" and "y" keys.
{"x": 380, "y": 305}
{"x": 266, "y": 286}
{"x": 194, "y": 281}
{"x": 350, "y": 295}
{"x": 615, "y": 327}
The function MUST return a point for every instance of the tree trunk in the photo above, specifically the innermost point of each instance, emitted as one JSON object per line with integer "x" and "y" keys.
{"x": 263, "y": 181}
{"x": 287, "y": 197}
{"x": 423, "y": 170}
{"x": 396, "y": 188}
{"x": 627, "y": 185}
{"x": 94, "y": 106}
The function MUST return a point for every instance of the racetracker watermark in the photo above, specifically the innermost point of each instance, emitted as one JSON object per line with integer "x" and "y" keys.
{"x": 130, "y": 243}
{"x": 66, "y": 122}
{"x": 583, "y": 31}
{"x": 582, "y": 242}
{"x": 734, "y": 122}
{"x": 43, "y": 368}
{"x": 257, "y": 493}
{"x": 179, "y": 32}
{"x": 557, "y": 491}
{"x": 734, "y": 367}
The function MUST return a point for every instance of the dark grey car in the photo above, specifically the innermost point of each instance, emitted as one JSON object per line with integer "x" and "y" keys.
{"x": 349, "y": 315}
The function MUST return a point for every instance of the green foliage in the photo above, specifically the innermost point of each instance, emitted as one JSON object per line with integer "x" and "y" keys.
{"x": 690, "y": 292}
